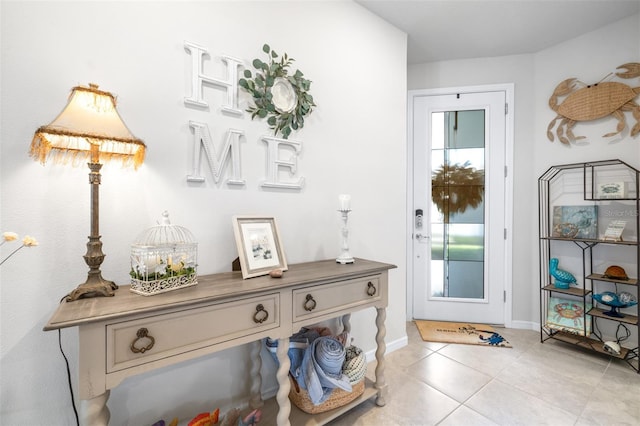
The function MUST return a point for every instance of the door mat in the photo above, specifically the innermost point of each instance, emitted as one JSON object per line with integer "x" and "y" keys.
{"x": 460, "y": 332}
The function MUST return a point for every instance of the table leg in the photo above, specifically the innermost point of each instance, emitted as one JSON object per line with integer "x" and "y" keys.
{"x": 381, "y": 384}
{"x": 346, "y": 325}
{"x": 282, "y": 375}
{"x": 95, "y": 411}
{"x": 255, "y": 400}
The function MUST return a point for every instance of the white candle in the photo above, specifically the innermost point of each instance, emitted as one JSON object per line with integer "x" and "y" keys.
{"x": 345, "y": 202}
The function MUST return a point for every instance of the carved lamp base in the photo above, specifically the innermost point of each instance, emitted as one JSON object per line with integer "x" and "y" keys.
{"x": 95, "y": 286}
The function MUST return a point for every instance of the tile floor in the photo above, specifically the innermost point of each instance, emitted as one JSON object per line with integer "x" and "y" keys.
{"x": 530, "y": 384}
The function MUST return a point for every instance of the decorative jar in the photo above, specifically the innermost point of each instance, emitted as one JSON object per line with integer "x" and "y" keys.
{"x": 163, "y": 258}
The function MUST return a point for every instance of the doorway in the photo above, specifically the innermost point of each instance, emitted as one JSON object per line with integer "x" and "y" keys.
{"x": 460, "y": 264}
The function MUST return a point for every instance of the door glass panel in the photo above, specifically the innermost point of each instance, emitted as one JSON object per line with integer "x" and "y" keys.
{"x": 468, "y": 127}
{"x": 457, "y": 204}
{"x": 463, "y": 280}
{"x": 465, "y": 242}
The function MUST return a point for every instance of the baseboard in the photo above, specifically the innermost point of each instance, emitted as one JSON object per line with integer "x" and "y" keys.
{"x": 525, "y": 325}
{"x": 391, "y": 346}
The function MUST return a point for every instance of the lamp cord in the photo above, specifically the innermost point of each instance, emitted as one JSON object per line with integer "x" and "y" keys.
{"x": 73, "y": 401}
{"x": 623, "y": 338}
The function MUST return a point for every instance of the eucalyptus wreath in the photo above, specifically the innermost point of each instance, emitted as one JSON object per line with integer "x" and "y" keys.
{"x": 260, "y": 86}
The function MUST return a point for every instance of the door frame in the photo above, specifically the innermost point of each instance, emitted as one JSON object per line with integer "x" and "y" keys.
{"x": 508, "y": 89}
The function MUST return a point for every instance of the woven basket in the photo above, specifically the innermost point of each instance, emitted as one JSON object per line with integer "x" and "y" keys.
{"x": 338, "y": 397}
{"x": 355, "y": 364}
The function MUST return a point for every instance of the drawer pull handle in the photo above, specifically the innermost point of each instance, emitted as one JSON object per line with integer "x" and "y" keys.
{"x": 260, "y": 318}
{"x": 371, "y": 289}
{"x": 309, "y": 303}
{"x": 142, "y": 334}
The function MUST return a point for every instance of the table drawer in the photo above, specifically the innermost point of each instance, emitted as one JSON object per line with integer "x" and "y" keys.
{"x": 148, "y": 339}
{"x": 312, "y": 302}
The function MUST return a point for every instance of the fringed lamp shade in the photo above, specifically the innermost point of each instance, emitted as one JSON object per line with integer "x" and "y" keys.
{"x": 89, "y": 127}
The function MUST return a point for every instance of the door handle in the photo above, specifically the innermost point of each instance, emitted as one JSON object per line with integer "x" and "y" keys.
{"x": 422, "y": 238}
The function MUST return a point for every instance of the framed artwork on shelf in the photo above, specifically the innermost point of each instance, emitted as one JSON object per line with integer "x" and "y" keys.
{"x": 579, "y": 222}
{"x": 611, "y": 190}
{"x": 568, "y": 315}
{"x": 614, "y": 230}
{"x": 259, "y": 248}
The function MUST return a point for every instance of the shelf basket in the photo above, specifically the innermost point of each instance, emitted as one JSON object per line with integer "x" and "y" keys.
{"x": 300, "y": 397}
{"x": 354, "y": 367}
{"x": 163, "y": 258}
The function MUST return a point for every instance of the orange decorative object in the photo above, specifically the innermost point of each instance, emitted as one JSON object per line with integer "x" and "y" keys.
{"x": 202, "y": 419}
{"x": 205, "y": 419}
{"x": 590, "y": 102}
{"x": 616, "y": 272}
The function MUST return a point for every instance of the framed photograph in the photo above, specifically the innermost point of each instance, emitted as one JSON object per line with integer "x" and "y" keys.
{"x": 259, "y": 246}
{"x": 580, "y": 222}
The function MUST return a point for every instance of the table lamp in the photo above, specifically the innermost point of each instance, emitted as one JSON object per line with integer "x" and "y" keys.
{"x": 89, "y": 128}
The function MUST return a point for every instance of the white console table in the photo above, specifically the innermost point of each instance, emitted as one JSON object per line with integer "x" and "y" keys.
{"x": 129, "y": 334}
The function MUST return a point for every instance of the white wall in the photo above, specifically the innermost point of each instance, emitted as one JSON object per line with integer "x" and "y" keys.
{"x": 353, "y": 143}
{"x": 589, "y": 58}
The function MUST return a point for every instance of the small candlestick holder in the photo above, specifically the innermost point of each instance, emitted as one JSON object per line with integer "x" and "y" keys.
{"x": 345, "y": 257}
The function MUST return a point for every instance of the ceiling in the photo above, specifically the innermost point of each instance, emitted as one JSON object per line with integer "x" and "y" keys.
{"x": 440, "y": 30}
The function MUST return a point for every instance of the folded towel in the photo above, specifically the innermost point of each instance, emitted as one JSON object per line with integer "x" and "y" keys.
{"x": 329, "y": 355}
{"x": 298, "y": 344}
{"x": 321, "y": 369}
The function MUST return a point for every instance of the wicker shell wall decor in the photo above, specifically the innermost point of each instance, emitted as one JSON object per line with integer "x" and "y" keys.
{"x": 584, "y": 102}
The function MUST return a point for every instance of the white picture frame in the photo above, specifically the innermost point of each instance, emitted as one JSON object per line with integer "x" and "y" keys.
{"x": 259, "y": 247}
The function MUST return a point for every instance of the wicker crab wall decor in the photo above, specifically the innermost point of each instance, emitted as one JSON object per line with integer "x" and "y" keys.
{"x": 590, "y": 102}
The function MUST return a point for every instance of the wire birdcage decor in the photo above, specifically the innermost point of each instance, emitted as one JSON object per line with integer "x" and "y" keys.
{"x": 163, "y": 258}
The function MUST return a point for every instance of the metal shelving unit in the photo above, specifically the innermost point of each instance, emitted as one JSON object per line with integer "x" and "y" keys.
{"x": 579, "y": 184}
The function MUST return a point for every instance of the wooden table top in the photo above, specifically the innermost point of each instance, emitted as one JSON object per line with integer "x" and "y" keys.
{"x": 209, "y": 288}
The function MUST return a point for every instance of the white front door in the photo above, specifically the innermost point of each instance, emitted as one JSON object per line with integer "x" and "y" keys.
{"x": 459, "y": 186}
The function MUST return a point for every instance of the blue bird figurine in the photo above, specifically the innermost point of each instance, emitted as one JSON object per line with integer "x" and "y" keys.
{"x": 563, "y": 278}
